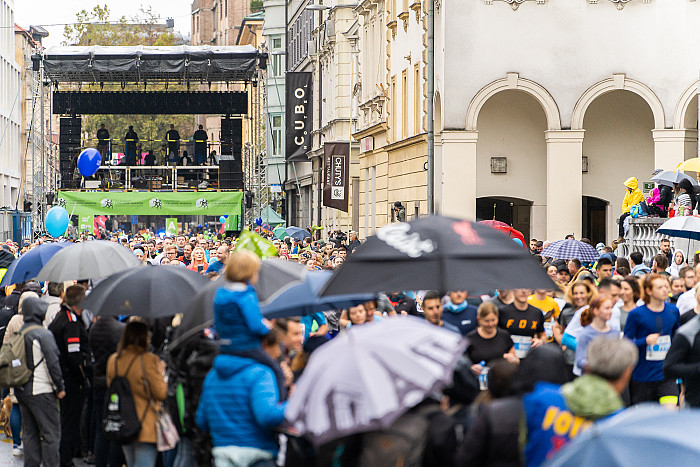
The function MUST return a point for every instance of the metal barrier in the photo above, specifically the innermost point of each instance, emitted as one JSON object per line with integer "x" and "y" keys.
{"x": 154, "y": 178}
{"x": 642, "y": 237}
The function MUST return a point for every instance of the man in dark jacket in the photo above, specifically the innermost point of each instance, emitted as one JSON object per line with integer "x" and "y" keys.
{"x": 104, "y": 339}
{"x": 353, "y": 242}
{"x": 9, "y": 308}
{"x": 38, "y": 397}
{"x": 72, "y": 340}
{"x": 200, "y": 146}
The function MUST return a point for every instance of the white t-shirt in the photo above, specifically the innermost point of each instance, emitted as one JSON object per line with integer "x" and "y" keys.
{"x": 686, "y": 301}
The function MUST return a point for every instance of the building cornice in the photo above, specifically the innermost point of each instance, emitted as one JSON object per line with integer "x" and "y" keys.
{"x": 410, "y": 141}
{"x": 374, "y": 130}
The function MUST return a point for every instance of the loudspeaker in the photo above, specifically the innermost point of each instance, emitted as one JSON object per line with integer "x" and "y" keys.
{"x": 230, "y": 161}
{"x": 68, "y": 148}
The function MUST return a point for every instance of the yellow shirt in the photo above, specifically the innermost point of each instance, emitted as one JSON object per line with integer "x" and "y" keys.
{"x": 548, "y": 306}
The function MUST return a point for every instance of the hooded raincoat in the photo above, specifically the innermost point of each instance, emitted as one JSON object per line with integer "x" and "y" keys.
{"x": 632, "y": 197}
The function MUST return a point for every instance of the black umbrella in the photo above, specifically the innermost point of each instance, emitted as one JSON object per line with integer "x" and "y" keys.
{"x": 148, "y": 292}
{"x": 439, "y": 253}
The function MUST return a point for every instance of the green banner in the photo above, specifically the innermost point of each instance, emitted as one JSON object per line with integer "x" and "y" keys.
{"x": 152, "y": 203}
{"x": 171, "y": 226}
{"x": 87, "y": 223}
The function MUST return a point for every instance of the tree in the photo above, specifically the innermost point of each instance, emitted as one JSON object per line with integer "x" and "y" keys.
{"x": 93, "y": 27}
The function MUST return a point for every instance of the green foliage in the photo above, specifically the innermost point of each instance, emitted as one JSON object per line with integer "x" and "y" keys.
{"x": 256, "y": 5}
{"x": 93, "y": 27}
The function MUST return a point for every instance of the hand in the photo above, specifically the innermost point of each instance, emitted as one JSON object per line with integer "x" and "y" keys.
{"x": 476, "y": 369}
{"x": 288, "y": 374}
{"x": 536, "y": 342}
{"x": 509, "y": 357}
{"x": 652, "y": 338}
{"x": 61, "y": 394}
{"x": 267, "y": 323}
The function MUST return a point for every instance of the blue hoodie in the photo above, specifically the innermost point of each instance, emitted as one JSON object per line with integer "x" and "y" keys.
{"x": 237, "y": 317}
{"x": 240, "y": 404}
{"x": 641, "y": 270}
{"x": 462, "y": 316}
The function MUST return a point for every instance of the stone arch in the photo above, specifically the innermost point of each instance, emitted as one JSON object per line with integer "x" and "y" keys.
{"x": 513, "y": 81}
{"x": 618, "y": 82}
{"x": 683, "y": 104}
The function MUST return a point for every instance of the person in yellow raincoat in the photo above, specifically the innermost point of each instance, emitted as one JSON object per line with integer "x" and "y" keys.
{"x": 633, "y": 196}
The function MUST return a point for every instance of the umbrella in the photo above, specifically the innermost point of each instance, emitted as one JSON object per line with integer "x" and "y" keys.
{"x": 275, "y": 275}
{"x": 152, "y": 292}
{"x": 280, "y": 232}
{"x": 366, "y": 378}
{"x": 670, "y": 177}
{"x": 296, "y": 233}
{"x": 682, "y": 227}
{"x": 29, "y": 264}
{"x": 642, "y": 435}
{"x": 438, "y": 253}
{"x": 88, "y": 260}
{"x": 507, "y": 229}
{"x": 570, "y": 249}
{"x": 302, "y": 298}
{"x": 691, "y": 165}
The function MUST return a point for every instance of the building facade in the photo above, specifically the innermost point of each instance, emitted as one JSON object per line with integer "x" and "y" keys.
{"x": 10, "y": 118}
{"x": 541, "y": 113}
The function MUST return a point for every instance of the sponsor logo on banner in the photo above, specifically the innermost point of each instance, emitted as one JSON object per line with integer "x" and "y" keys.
{"x": 155, "y": 203}
{"x": 299, "y": 114}
{"x": 397, "y": 236}
{"x": 336, "y": 165}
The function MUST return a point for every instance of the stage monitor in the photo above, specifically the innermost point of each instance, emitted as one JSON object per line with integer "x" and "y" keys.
{"x": 150, "y": 103}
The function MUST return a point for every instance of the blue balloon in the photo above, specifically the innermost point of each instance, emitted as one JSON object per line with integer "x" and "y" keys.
{"x": 258, "y": 221}
{"x": 225, "y": 216}
{"x": 222, "y": 219}
{"x": 517, "y": 240}
{"x": 56, "y": 221}
{"x": 89, "y": 161}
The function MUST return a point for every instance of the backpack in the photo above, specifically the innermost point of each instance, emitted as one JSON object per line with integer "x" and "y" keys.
{"x": 14, "y": 371}
{"x": 120, "y": 421}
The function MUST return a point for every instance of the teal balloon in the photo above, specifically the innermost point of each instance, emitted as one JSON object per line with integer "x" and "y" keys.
{"x": 89, "y": 161}
{"x": 56, "y": 221}
{"x": 518, "y": 241}
{"x": 222, "y": 219}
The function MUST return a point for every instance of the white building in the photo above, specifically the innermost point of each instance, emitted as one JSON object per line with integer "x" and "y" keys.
{"x": 576, "y": 95}
{"x": 10, "y": 116}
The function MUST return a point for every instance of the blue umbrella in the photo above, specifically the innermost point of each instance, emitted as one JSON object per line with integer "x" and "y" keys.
{"x": 296, "y": 233}
{"x": 302, "y": 298}
{"x": 570, "y": 249}
{"x": 643, "y": 435}
{"x": 29, "y": 264}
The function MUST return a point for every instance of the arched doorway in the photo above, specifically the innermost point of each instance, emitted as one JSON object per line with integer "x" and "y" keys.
{"x": 512, "y": 125}
{"x": 618, "y": 144}
{"x": 513, "y": 211}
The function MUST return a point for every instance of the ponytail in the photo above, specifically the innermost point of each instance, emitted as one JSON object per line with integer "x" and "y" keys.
{"x": 587, "y": 315}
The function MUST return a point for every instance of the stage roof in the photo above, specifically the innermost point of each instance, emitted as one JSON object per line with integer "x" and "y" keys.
{"x": 137, "y": 64}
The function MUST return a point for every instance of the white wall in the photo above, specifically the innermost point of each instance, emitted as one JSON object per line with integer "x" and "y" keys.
{"x": 566, "y": 46}
{"x": 10, "y": 110}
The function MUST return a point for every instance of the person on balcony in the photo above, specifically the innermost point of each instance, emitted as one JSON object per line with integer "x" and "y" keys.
{"x": 633, "y": 196}
{"x": 130, "y": 141}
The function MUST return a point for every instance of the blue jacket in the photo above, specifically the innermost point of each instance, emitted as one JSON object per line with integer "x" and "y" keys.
{"x": 240, "y": 404}
{"x": 215, "y": 266}
{"x": 237, "y": 317}
{"x": 462, "y": 316}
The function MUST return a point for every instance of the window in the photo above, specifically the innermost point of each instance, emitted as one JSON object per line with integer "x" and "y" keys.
{"x": 277, "y": 65}
{"x": 225, "y": 8}
{"x": 404, "y": 104}
{"x": 417, "y": 104}
{"x": 277, "y": 43}
{"x": 276, "y": 135}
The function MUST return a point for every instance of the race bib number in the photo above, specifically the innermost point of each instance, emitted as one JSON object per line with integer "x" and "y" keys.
{"x": 548, "y": 329}
{"x": 73, "y": 348}
{"x": 658, "y": 351}
{"x": 522, "y": 345}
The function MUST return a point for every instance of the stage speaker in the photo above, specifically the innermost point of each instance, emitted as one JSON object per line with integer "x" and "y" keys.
{"x": 230, "y": 161}
{"x": 68, "y": 148}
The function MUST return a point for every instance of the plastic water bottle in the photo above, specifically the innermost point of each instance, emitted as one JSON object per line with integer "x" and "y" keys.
{"x": 483, "y": 376}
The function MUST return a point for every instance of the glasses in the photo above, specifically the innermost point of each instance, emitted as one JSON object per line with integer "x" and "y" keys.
{"x": 172, "y": 253}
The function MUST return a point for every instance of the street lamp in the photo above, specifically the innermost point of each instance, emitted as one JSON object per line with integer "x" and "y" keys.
{"x": 317, "y": 7}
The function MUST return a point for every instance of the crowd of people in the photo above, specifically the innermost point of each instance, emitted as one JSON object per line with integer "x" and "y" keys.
{"x": 540, "y": 367}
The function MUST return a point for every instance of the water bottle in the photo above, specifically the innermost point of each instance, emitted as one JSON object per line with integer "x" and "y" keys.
{"x": 483, "y": 376}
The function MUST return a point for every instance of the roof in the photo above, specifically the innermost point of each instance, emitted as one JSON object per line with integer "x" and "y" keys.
{"x": 135, "y": 64}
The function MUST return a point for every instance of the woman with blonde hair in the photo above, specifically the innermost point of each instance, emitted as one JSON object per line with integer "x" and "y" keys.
{"x": 199, "y": 262}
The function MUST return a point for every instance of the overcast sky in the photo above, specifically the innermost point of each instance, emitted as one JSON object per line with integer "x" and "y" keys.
{"x": 48, "y": 12}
